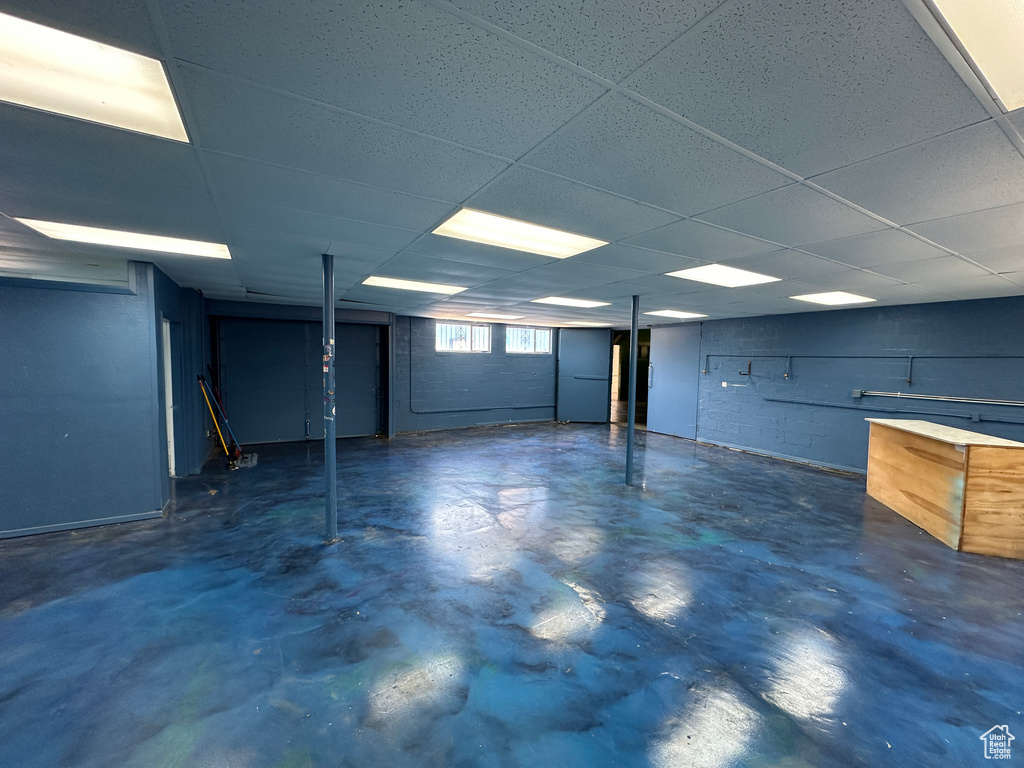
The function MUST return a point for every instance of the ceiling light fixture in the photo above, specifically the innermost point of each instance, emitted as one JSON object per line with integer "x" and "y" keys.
{"x": 495, "y": 316}
{"x": 491, "y": 229}
{"x": 719, "y": 274}
{"x": 411, "y": 285}
{"x": 676, "y": 314}
{"x": 55, "y": 71}
{"x": 120, "y": 239}
{"x": 833, "y": 298}
{"x": 584, "y": 324}
{"x": 562, "y": 302}
{"x": 990, "y": 34}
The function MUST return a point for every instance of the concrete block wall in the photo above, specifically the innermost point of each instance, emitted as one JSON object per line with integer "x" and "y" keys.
{"x": 442, "y": 390}
{"x": 963, "y": 349}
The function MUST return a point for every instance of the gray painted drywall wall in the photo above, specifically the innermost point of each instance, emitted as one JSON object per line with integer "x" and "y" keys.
{"x": 79, "y": 404}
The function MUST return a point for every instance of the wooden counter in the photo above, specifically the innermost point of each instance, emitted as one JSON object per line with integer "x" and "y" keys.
{"x": 965, "y": 489}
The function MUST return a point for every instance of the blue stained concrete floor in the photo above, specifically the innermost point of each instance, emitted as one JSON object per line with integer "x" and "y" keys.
{"x": 501, "y": 599}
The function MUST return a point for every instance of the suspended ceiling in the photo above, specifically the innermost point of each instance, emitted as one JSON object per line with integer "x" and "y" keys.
{"x": 837, "y": 145}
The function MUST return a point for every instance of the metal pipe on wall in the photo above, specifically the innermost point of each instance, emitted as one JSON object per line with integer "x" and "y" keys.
{"x": 631, "y": 422}
{"x": 330, "y": 427}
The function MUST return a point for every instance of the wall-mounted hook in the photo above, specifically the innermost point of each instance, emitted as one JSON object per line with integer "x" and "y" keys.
{"x": 747, "y": 372}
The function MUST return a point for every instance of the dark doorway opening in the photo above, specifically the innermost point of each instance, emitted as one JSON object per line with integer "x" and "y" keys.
{"x": 620, "y": 377}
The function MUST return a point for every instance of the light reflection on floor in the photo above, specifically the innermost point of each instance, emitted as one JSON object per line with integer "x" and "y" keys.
{"x": 500, "y": 598}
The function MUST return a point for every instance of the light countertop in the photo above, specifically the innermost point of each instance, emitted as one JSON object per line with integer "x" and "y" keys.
{"x": 945, "y": 434}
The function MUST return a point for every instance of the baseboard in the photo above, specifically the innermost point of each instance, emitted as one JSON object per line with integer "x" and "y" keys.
{"x": 16, "y": 532}
{"x": 786, "y": 457}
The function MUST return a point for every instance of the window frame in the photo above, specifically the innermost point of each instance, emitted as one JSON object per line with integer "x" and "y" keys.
{"x": 534, "y": 332}
{"x": 471, "y": 328}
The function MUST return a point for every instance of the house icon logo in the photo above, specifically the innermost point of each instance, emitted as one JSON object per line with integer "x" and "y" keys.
{"x": 997, "y": 742}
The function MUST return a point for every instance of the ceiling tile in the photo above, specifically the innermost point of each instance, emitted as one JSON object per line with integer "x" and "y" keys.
{"x": 236, "y": 179}
{"x": 34, "y": 262}
{"x": 122, "y": 23}
{"x": 857, "y": 280}
{"x": 1009, "y": 259}
{"x": 607, "y": 37}
{"x": 499, "y": 292}
{"x": 269, "y": 126}
{"x": 793, "y": 215}
{"x": 361, "y": 256}
{"x": 811, "y": 86}
{"x": 888, "y": 246}
{"x": 960, "y": 172}
{"x": 1017, "y": 120}
{"x": 639, "y": 259}
{"x": 930, "y": 270}
{"x": 384, "y": 297}
{"x": 413, "y": 66}
{"x": 540, "y": 198}
{"x": 1015, "y": 277}
{"x": 411, "y": 266}
{"x": 258, "y": 252}
{"x": 978, "y": 231}
{"x": 787, "y": 264}
{"x": 272, "y": 218}
{"x": 580, "y": 274}
{"x": 667, "y": 284}
{"x": 188, "y": 220}
{"x": 627, "y": 148}
{"x": 476, "y": 253}
{"x": 74, "y": 148}
{"x": 626, "y": 289}
{"x": 196, "y": 273}
{"x": 701, "y": 241}
{"x": 152, "y": 210}
{"x": 977, "y": 287}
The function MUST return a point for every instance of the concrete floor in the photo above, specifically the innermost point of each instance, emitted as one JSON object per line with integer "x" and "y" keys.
{"x": 620, "y": 413}
{"x": 501, "y": 599}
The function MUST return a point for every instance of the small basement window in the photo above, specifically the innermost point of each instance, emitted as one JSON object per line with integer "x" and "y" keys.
{"x": 528, "y": 341}
{"x": 462, "y": 337}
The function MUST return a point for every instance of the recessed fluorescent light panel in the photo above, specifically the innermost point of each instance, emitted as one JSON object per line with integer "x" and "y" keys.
{"x": 719, "y": 274}
{"x": 582, "y": 303}
{"x": 675, "y": 313}
{"x": 55, "y": 71}
{"x": 583, "y": 324}
{"x": 495, "y": 316}
{"x": 120, "y": 239}
{"x": 487, "y": 228}
{"x": 833, "y": 298}
{"x": 411, "y": 285}
{"x": 991, "y": 33}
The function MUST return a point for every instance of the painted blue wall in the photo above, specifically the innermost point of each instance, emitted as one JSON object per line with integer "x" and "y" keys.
{"x": 962, "y": 349}
{"x": 82, "y": 428}
{"x": 79, "y": 443}
{"x": 185, "y": 308}
{"x": 433, "y": 390}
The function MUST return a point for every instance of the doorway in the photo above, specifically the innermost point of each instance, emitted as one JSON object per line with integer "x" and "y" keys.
{"x": 584, "y": 375}
{"x": 171, "y": 354}
{"x": 674, "y": 380}
{"x": 271, "y": 379}
{"x": 620, "y": 377}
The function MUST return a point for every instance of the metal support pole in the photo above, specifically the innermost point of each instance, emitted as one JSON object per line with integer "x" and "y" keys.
{"x": 330, "y": 428}
{"x": 634, "y": 348}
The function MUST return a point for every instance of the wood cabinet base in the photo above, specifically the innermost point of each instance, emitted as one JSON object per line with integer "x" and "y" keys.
{"x": 965, "y": 489}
